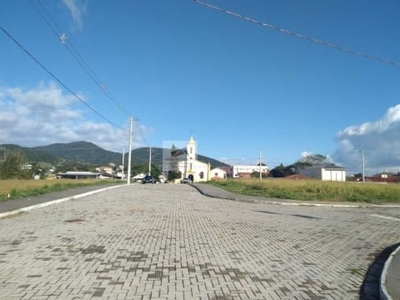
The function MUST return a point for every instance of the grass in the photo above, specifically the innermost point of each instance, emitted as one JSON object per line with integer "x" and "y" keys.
{"x": 15, "y": 188}
{"x": 314, "y": 190}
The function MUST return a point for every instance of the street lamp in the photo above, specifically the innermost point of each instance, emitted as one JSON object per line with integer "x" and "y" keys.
{"x": 363, "y": 165}
{"x": 150, "y": 157}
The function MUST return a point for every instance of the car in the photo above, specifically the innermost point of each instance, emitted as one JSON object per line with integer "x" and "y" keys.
{"x": 148, "y": 179}
{"x": 186, "y": 180}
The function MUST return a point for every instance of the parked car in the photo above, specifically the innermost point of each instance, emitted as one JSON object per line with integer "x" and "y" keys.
{"x": 148, "y": 179}
{"x": 186, "y": 180}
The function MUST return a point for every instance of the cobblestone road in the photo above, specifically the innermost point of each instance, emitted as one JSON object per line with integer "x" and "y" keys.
{"x": 170, "y": 242}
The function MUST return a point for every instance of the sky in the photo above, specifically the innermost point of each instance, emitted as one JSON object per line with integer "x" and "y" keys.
{"x": 79, "y": 70}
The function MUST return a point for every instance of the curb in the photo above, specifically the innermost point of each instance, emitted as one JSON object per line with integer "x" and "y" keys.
{"x": 383, "y": 292}
{"x": 37, "y": 206}
{"x": 283, "y": 202}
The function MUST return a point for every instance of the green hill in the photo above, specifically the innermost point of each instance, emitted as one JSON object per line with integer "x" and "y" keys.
{"x": 89, "y": 153}
{"x": 31, "y": 154}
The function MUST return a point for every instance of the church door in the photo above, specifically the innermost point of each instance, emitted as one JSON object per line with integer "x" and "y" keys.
{"x": 190, "y": 177}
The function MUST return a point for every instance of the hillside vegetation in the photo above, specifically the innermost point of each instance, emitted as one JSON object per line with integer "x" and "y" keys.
{"x": 89, "y": 153}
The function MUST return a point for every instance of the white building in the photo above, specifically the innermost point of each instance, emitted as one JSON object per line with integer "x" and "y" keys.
{"x": 218, "y": 173}
{"x": 187, "y": 164}
{"x": 328, "y": 173}
{"x": 245, "y": 171}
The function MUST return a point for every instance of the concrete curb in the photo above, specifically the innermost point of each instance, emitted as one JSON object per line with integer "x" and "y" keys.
{"x": 383, "y": 292}
{"x": 250, "y": 199}
{"x": 37, "y": 206}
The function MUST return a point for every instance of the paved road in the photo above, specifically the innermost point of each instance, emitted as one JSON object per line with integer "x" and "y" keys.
{"x": 170, "y": 242}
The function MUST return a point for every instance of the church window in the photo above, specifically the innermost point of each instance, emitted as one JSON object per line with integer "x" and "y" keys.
{"x": 201, "y": 175}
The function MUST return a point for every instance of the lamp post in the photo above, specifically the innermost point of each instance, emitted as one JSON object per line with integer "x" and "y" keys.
{"x": 150, "y": 158}
{"x": 130, "y": 151}
{"x": 150, "y": 161}
{"x": 260, "y": 165}
{"x": 363, "y": 165}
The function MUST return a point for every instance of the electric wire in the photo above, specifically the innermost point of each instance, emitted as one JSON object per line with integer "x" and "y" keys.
{"x": 298, "y": 35}
{"x": 58, "y": 80}
{"x": 55, "y": 28}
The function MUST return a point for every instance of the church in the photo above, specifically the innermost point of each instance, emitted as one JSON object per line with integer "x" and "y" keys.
{"x": 187, "y": 164}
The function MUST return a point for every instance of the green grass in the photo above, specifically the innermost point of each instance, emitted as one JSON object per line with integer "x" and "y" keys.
{"x": 314, "y": 190}
{"x": 15, "y": 189}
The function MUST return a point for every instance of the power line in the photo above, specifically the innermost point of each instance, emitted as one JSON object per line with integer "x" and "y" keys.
{"x": 298, "y": 35}
{"x": 55, "y": 28}
{"x": 58, "y": 80}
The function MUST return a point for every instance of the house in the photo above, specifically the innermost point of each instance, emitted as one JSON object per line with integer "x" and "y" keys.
{"x": 245, "y": 171}
{"x": 78, "y": 175}
{"x": 325, "y": 173}
{"x": 228, "y": 169}
{"x": 187, "y": 164}
{"x": 105, "y": 169}
{"x": 384, "y": 178}
{"x": 218, "y": 173}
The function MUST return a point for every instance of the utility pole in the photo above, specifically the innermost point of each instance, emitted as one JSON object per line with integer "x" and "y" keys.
{"x": 363, "y": 165}
{"x": 150, "y": 161}
{"x": 123, "y": 162}
{"x": 130, "y": 150}
{"x": 259, "y": 163}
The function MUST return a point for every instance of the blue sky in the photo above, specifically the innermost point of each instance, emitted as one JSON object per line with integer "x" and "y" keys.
{"x": 181, "y": 68}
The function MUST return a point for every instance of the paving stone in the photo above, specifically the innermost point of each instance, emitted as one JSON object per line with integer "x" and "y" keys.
{"x": 170, "y": 242}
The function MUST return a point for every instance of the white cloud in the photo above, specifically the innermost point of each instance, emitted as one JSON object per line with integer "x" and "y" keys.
{"x": 380, "y": 141}
{"x": 76, "y": 8}
{"x": 45, "y": 115}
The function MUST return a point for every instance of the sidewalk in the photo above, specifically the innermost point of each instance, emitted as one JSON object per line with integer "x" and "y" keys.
{"x": 18, "y": 205}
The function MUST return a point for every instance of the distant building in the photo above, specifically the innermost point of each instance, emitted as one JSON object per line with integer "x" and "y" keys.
{"x": 325, "y": 173}
{"x": 192, "y": 168}
{"x": 187, "y": 164}
{"x": 78, "y": 175}
{"x": 384, "y": 178}
{"x": 245, "y": 171}
{"x": 218, "y": 173}
{"x": 106, "y": 169}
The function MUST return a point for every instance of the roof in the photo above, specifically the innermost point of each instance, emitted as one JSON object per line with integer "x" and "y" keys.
{"x": 77, "y": 173}
{"x": 296, "y": 176}
{"x": 191, "y": 140}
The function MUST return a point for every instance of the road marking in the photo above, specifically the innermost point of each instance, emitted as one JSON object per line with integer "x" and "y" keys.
{"x": 385, "y": 217}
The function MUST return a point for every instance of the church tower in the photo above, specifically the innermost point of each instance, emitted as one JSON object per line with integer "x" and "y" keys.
{"x": 191, "y": 168}
{"x": 191, "y": 150}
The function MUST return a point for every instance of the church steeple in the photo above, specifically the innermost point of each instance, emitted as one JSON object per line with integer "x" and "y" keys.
{"x": 191, "y": 148}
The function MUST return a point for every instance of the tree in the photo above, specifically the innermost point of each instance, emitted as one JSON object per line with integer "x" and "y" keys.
{"x": 37, "y": 170}
{"x": 11, "y": 166}
{"x": 172, "y": 175}
{"x": 281, "y": 171}
{"x": 315, "y": 160}
{"x": 155, "y": 172}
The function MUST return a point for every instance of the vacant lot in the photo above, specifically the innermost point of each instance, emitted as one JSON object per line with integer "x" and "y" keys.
{"x": 315, "y": 190}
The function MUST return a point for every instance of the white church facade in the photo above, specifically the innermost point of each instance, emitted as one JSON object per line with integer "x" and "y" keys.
{"x": 192, "y": 168}
{"x": 187, "y": 164}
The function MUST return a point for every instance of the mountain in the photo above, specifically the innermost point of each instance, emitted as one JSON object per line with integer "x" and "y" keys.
{"x": 83, "y": 152}
{"x": 86, "y": 152}
{"x": 30, "y": 154}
